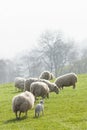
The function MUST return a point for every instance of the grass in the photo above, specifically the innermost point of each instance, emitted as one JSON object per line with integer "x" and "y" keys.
{"x": 65, "y": 111}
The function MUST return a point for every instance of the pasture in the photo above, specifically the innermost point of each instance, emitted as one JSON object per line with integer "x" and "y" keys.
{"x": 65, "y": 111}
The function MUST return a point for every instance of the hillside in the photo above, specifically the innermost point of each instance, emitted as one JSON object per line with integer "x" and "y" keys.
{"x": 65, "y": 111}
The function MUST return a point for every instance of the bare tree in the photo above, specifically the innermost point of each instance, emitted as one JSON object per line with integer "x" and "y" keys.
{"x": 54, "y": 51}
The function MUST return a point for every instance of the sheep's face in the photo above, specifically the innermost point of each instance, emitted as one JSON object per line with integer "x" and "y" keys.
{"x": 41, "y": 102}
{"x": 56, "y": 89}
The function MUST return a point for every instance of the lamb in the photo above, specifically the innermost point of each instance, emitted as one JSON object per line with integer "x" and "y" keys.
{"x": 46, "y": 75}
{"x": 39, "y": 89}
{"x": 52, "y": 86}
{"x": 22, "y": 103}
{"x": 39, "y": 108}
{"x": 28, "y": 83}
{"x": 19, "y": 83}
{"x": 69, "y": 79}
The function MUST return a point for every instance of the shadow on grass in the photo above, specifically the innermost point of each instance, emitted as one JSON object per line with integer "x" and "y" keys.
{"x": 15, "y": 120}
{"x": 40, "y": 117}
{"x": 14, "y": 92}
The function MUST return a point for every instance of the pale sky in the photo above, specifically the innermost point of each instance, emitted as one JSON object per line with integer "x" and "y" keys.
{"x": 22, "y": 22}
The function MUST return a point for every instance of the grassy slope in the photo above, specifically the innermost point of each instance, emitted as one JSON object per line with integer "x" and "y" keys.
{"x": 65, "y": 111}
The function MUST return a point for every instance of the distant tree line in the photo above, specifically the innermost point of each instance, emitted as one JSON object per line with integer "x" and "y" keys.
{"x": 53, "y": 53}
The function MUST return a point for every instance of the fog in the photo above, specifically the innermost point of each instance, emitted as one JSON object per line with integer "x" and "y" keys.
{"x": 22, "y": 23}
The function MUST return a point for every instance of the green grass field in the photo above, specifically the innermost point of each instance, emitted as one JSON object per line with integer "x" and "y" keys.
{"x": 65, "y": 111}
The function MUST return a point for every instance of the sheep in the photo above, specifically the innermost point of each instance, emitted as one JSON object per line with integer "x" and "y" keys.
{"x": 22, "y": 103}
{"x": 39, "y": 108}
{"x": 52, "y": 86}
{"x": 69, "y": 79}
{"x": 19, "y": 83}
{"x": 28, "y": 83}
{"x": 39, "y": 89}
{"x": 46, "y": 75}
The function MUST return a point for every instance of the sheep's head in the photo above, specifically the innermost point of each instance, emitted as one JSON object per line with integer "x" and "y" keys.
{"x": 41, "y": 101}
{"x": 56, "y": 89}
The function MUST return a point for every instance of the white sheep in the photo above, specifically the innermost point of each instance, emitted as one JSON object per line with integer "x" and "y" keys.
{"x": 52, "y": 86}
{"x": 46, "y": 75}
{"x": 28, "y": 83}
{"x": 39, "y": 108}
{"x": 39, "y": 89}
{"x": 22, "y": 103}
{"x": 66, "y": 80}
{"x": 19, "y": 83}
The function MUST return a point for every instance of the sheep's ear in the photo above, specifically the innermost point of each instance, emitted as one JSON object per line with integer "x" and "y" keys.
{"x": 55, "y": 87}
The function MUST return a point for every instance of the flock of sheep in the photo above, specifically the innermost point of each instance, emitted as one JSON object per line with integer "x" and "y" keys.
{"x": 38, "y": 87}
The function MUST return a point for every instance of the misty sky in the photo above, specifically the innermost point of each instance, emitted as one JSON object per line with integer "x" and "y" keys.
{"x": 22, "y": 22}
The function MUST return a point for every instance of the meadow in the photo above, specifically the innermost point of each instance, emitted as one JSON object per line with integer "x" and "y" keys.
{"x": 64, "y": 111}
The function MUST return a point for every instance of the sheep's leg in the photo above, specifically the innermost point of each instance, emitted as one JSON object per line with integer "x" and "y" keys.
{"x": 16, "y": 114}
{"x": 19, "y": 114}
{"x": 62, "y": 87}
{"x": 47, "y": 95}
{"x": 35, "y": 114}
{"x": 74, "y": 86}
{"x": 26, "y": 113}
{"x": 38, "y": 114}
{"x": 43, "y": 112}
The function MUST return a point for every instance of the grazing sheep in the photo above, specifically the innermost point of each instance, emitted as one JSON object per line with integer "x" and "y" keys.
{"x": 39, "y": 108}
{"x": 52, "y": 86}
{"x": 66, "y": 80}
{"x": 28, "y": 83}
{"x": 39, "y": 89}
{"x": 46, "y": 75}
{"x": 22, "y": 103}
{"x": 19, "y": 83}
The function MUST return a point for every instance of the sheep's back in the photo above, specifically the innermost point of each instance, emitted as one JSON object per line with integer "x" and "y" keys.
{"x": 39, "y": 107}
{"x": 19, "y": 82}
{"x": 23, "y": 102}
{"x": 17, "y": 102}
{"x": 28, "y": 82}
{"x": 39, "y": 88}
{"x": 66, "y": 80}
{"x": 45, "y": 75}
